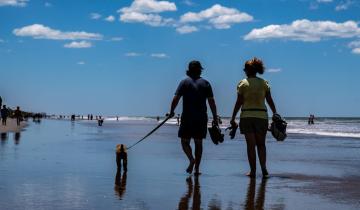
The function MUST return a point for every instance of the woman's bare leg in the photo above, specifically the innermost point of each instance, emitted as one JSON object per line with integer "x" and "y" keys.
{"x": 261, "y": 149}
{"x": 251, "y": 143}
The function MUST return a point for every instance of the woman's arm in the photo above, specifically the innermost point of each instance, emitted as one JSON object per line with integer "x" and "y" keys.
{"x": 238, "y": 104}
{"x": 271, "y": 103}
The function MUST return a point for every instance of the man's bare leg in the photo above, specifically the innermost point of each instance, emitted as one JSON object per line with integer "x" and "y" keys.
{"x": 198, "y": 154}
{"x": 185, "y": 143}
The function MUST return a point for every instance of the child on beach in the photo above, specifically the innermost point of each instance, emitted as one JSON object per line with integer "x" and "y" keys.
{"x": 18, "y": 115}
{"x": 121, "y": 157}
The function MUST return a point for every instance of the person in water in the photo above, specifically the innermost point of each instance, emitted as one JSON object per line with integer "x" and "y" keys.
{"x": 251, "y": 95}
{"x": 4, "y": 114}
{"x": 195, "y": 91}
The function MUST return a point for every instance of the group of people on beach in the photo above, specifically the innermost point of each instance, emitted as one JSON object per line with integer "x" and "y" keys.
{"x": 5, "y": 113}
{"x": 252, "y": 92}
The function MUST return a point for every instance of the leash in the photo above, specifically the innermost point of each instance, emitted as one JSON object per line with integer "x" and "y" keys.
{"x": 151, "y": 132}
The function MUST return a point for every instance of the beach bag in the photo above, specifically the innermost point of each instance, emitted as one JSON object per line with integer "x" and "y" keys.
{"x": 278, "y": 127}
{"x": 215, "y": 134}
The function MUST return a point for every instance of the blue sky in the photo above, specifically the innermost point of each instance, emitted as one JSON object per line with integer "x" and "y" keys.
{"x": 126, "y": 57}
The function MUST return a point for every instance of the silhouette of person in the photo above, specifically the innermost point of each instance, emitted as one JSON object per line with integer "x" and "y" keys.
{"x": 251, "y": 203}
{"x": 91, "y": 117}
{"x": 4, "y": 136}
{"x": 120, "y": 183}
{"x": 195, "y": 91}
{"x": 0, "y": 104}
{"x": 4, "y": 115}
{"x": 251, "y": 95}
{"x": 18, "y": 115}
{"x": 192, "y": 191}
{"x": 117, "y": 118}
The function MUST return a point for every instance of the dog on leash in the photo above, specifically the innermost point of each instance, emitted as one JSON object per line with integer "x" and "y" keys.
{"x": 121, "y": 157}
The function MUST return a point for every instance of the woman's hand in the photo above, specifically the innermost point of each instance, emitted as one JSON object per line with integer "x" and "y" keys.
{"x": 233, "y": 123}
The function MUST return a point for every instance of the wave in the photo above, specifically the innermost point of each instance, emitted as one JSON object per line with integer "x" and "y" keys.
{"x": 129, "y": 119}
{"x": 324, "y": 133}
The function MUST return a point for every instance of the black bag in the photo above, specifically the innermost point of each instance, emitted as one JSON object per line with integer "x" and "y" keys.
{"x": 215, "y": 134}
{"x": 278, "y": 127}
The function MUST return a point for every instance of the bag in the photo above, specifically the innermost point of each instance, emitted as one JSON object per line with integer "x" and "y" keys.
{"x": 278, "y": 127}
{"x": 215, "y": 134}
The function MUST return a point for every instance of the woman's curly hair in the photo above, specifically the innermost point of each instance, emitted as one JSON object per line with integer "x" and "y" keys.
{"x": 253, "y": 66}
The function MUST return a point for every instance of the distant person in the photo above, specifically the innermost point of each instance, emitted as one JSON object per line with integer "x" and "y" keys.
{"x": 117, "y": 118}
{"x": 195, "y": 91}
{"x": 18, "y": 115}
{"x": 219, "y": 119}
{"x": 4, "y": 115}
{"x": 158, "y": 118}
{"x": 311, "y": 119}
{"x": 100, "y": 121}
{"x": 91, "y": 117}
{"x": 251, "y": 95}
{"x": 0, "y": 105}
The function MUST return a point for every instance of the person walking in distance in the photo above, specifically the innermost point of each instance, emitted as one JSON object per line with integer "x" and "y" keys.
{"x": 18, "y": 115}
{"x": 4, "y": 115}
{"x": 194, "y": 91}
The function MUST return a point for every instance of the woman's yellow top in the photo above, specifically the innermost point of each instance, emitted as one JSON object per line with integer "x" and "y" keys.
{"x": 253, "y": 91}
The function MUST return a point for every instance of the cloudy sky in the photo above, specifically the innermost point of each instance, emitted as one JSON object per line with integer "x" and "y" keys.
{"x": 126, "y": 57}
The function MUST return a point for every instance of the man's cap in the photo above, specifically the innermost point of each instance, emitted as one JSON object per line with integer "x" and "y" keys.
{"x": 195, "y": 64}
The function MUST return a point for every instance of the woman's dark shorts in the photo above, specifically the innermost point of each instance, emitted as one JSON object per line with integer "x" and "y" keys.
{"x": 190, "y": 128}
{"x": 253, "y": 125}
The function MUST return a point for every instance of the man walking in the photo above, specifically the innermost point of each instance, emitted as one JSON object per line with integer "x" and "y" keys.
{"x": 195, "y": 91}
{"x": 18, "y": 116}
{"x": 4, "y": 115}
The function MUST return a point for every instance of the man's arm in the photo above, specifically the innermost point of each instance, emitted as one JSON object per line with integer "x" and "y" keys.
{"x": 212, "y": 105}
{"x": 174, "y": 104}
{"x": 239, "y": 102}
{"x": 271, "y": 103}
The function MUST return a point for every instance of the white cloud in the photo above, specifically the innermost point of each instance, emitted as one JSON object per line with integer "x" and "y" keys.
{"x": 81, "y": 44}
{"x": 48, "y": 4}
{"x": 218, "y": 16}
{"x": 116, "y": 39}
{"x": 186, "y": 29}
{"x": 14, "y": 3}
{"x": 273, "y": 70}
{"x": 159, "y": 55}
{"x": 81, "y": 63}
{"x": 149, "y": 6}
{"x": 188, "y": 2}
{"x": 2, "y": 41}
{"x": 344, "y": 5}
{"x": 306, "y": 30}
{"x": 355, "y": 45}
{"x": 38, "y": 31}
{"x": 110, "y": 18}
{"x": 95, "y": 16}
{"x": 149, "y": 19}
{"x": 146, "y": 11}
{"x": 132, "y": 54}
{"x": 324, "y": 1}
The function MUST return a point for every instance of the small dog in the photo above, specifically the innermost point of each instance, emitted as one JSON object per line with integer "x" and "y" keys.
{"x": 121, "y": 156}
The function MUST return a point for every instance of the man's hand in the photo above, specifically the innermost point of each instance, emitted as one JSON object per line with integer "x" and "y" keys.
{"x": 233, "y": 123}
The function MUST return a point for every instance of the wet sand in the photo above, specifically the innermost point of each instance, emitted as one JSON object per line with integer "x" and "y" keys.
{"x": 64, "y": 165}
{"x": 11, "y": 126}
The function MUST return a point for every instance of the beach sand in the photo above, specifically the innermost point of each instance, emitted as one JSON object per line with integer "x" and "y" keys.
{"x": 11, "y": 126}
{"x": 64, "y": 165}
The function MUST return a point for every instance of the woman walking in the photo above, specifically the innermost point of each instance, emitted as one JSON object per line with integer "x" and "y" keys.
{"x": 251, "y": 95}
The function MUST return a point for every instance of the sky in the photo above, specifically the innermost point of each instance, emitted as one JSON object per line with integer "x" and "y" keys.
{"x": 122, "y": 57}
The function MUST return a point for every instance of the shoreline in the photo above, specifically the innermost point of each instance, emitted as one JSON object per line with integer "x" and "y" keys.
{"x": 11, "y": 126}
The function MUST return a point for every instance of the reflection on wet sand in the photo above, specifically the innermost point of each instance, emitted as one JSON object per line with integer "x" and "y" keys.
{"x": 17, "y": 137}
{"x": 251, "y": 203}
{"x": 192, "y": 191}
{"x": 3, "y": 137}
{"x": 120, "y": 184}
